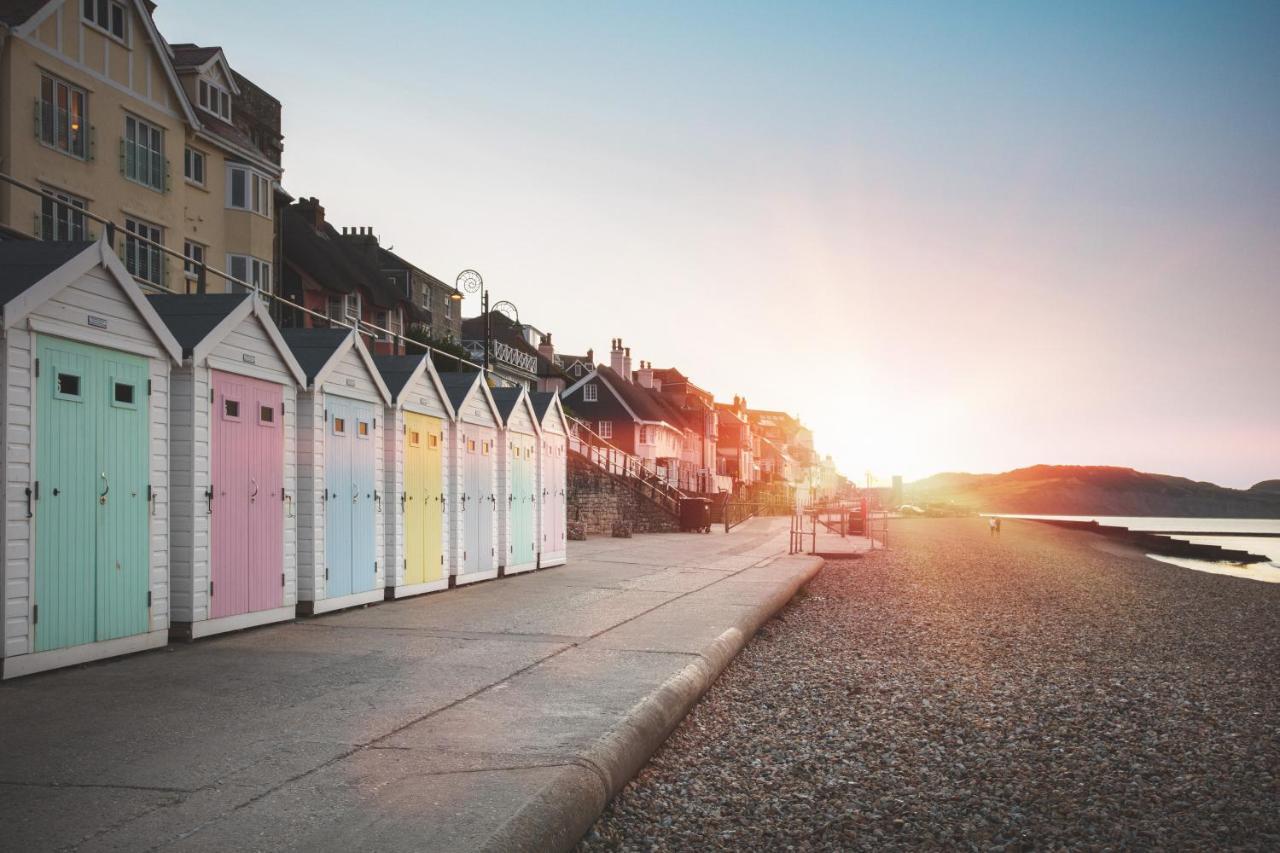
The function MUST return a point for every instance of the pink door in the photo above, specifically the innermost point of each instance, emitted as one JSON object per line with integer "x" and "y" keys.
{"x": 246, "y": 518}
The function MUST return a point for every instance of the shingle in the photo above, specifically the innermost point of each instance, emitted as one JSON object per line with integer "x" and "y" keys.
{"x": 25, "y": 262}
{"x": 192, "y": 318}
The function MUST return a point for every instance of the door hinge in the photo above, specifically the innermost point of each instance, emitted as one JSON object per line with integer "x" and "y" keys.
{"x": 282, "y": 409}
{"x": 282, "y": 579}
{"x": 35, "y": 614}
{"x": 148, "y": 387}
{"x": 148, "y": 493}
{"x": 326, "y": 572}
{"x": 375, "y": 567}
{"x": 37, "y": 492}
{"x": 211, "y": 589}
{"x": 148, "y": 599}
{"x": 37, "y": 368}
{"x": 210, "y": 395}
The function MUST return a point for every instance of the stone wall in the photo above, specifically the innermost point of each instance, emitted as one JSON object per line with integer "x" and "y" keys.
{"x": 600, "y": 501}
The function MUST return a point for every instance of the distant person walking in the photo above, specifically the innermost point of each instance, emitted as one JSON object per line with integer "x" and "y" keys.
{"x": 994, "y": 524}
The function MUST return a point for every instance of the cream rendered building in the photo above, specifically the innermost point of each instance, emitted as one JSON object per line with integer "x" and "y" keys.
{"x": 167, "y": 142}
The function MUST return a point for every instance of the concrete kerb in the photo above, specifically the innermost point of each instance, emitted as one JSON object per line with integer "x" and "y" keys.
{"x": 568, "y": 806}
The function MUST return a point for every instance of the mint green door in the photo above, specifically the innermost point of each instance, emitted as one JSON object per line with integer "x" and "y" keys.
{"x": 91, "y": 504}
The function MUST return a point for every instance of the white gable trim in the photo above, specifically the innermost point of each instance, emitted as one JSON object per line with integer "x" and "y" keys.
{"x": 559, "y": 408}
{"x": 97, "y": 255}
{"x": 353, "y": 340}
{"x": 251, "y": 305}
{"x": 575, "y": 386}
{"x": 527, "y": 402}
{"x": 618, "y": 397}
{"x": 220, "y": 58}
{"x": 425, "y": 366}
{"x": 488, "y": 396}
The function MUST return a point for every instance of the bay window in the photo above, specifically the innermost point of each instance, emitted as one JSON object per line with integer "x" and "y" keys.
{"x": 248, "y": 190}
{"x": 253, "y": 272}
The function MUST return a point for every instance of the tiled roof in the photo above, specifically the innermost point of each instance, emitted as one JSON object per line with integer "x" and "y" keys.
{"x": 542, "y": 401}
{"x": 14, "y": 12}
{"x": 390, "y": 260}
{"x": 506, "y": 399}
{"x": 187, "y": 55}
{"x": 324, "y": 257}
{"x": 25, "y": 262}
{"x": 647, "y": 405}
{"x": 192, "y": 317}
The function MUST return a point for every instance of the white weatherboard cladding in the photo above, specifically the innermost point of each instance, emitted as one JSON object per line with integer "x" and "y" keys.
{"x": 519, "y": 422}
{"x": 350, "y": 378}
{"x": 553, "y": 434}
{"x": 66, "y": 315}
{"x": 419, "y": 396}
{"x": 190, "y": 463}
{"x": 474, "y": 410}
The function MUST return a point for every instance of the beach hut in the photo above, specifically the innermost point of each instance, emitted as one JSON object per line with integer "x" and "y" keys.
{"x": 472, "y": 462}
{"x": 418, "y": 492}
{"x": 340, "y": 420}
{"x": 232, "y": 466}
{"x": 552, "y": 479}
{"x": 85, "y": 425}
{"x": 517, "y": 480}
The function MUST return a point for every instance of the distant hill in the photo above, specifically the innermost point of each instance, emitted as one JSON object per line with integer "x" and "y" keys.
{"x": 1096, "y": 490}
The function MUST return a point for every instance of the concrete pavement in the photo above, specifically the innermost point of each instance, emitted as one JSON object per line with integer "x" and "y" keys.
{"x": 501, "y": 716}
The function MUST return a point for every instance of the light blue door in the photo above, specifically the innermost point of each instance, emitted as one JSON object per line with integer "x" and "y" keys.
{"x": 364, "y": 524}
{"x": 338, "y": 496}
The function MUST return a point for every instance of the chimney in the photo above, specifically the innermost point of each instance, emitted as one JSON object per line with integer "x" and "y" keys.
{"x": 545, "y": 349}
{"x": 617, "y": 360}
{"x": 591, "y": 357}
{"x": 644, "y": 376}
{"x": 626, "y": 360}
{"x": 312, "y": 211}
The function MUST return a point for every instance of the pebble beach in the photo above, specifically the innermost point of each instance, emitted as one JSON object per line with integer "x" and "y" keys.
{"x": 1043, "y": 689}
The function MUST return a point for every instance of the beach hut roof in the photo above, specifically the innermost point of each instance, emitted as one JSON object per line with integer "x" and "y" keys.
{"x": 508, "y": 399}
{"x": 318, "y": 350}
{"x": 399, "y": 371}
{"x": 458, "y": 387}
{"x": 200, "y": 322}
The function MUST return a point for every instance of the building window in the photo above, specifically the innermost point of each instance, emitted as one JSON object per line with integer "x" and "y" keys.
{"x": 605, "y": 429}
{"x": 215, "y": 99}
{"x": 106, "y": 15}
{"x": 336, "y": 308}
{"x": 194, "y": 254}
{"x": 397, "y": 326}
{"x": 254, "y": 272}
{"x": 590, "y": 393}
{"x": 142, "y": 154}
{"x": 61, "y": 217}
{"x": 353, "y": 309}
{"x": 448, "y": 309}
{"x": 63, "y": 118}
{"x": 380, "y": 320}
{"x": 142, "y": 255}
{"x": 193, "y": 166}
{"x": 248, "y": 190}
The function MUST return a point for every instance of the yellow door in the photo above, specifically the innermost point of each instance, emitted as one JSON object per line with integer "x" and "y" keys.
{"x": 423, "y": 500}
{"x": 433, "y": 529}
{"x": 416, "y": 508}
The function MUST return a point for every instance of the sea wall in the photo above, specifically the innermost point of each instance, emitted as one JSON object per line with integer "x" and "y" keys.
{"x": 600, "y": 501}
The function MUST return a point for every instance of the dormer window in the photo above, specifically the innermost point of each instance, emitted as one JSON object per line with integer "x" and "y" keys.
{"x": 215, "y": 99}
{"x": 106, "y": 15}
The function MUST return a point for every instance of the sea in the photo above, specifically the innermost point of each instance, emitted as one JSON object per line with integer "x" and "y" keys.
{"x": 1260, "y": 536}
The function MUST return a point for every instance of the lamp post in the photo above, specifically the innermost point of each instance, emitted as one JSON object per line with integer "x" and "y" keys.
{"x": 471, "y": 281}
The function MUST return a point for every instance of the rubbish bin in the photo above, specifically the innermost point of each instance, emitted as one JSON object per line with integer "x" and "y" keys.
{"x": 695, "y": 515}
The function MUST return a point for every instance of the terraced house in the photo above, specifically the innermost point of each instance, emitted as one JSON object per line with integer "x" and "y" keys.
{"x": 167, "y": 142}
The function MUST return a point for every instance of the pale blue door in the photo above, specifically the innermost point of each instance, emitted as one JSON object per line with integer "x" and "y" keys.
{"x": 338, "y": 500}
{"x": 364, "y": 525}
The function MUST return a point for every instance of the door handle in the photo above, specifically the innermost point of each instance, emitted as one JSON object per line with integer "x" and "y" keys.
{"x": 355, "y": 493}
{"x": 253, "y": 496}
{"x": 106, "y": 489}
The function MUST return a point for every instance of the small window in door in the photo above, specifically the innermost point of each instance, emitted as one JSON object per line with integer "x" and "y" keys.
{"x": 67, "y": 386}
{"x": 231, "y": 409}
{"x": 362, "y": 429}
{"x": 123, "y": 395}
{"x": 339, "y": 426}
{"x": 266, "y": 414}
{"x": 415, "y": 439}
{"x": 471, "y": 446}
{"x": 433, "y": 440}
{"x": 484, "y": 447}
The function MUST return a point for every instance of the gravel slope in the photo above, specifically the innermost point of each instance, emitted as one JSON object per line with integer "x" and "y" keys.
{"x": 1028, "y": 692}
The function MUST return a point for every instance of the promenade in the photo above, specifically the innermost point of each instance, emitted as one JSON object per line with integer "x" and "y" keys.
{"x": 498, "y": 716}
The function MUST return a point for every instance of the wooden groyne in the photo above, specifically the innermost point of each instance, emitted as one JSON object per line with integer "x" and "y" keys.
{"x": 1160, "y": 543}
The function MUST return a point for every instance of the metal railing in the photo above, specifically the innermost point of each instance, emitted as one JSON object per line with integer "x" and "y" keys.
{"x": 203, "y": 270}
{"x": 631, "y": 469}
{"x": 736, "y": 512}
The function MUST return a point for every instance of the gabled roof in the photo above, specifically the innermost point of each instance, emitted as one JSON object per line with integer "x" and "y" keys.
{"x": 42, "y": 269}
{"x": 546, "y": 402}
{"x": 318, "y": 350}
{"x": 14, "y": 12}
{"x": 390, "y": 260}
{"x": 200, "y": 322}
{"x": 193, "y": 57}
{"x": 643, "y": 404}
{"x": 459, "y": 386}
{"x": 509, "y": 399}
{"x": 330, "y": 262}
{"x": 399, "y": 371}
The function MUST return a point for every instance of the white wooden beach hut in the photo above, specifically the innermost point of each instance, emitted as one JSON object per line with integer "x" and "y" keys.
{"x": 232, "y": 467}
{"x": 517, "y": 480}
{"x": 417, "y": 485}
{"x": 85, "y": 427}
{"x": 472, "y": 463}
{"x": 340, "y": 429}
{"x": 553, "y": 485}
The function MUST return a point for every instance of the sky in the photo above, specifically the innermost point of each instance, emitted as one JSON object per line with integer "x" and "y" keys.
{"x": 949, "y": 236}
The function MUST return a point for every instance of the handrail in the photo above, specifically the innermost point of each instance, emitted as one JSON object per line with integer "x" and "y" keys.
{"x": 597, "y": 450}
